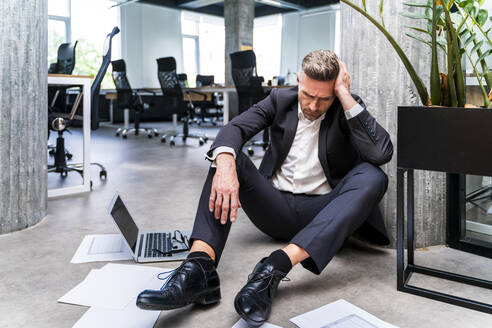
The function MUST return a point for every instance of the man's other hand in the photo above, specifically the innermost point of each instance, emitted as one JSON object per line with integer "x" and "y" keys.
{"x": 342, "y": 83}
{"x": 224, "y": 196}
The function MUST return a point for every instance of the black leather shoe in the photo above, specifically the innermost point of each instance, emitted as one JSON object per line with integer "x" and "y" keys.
{"x": 189, "y": 283}
{"x": 254, "y": 300}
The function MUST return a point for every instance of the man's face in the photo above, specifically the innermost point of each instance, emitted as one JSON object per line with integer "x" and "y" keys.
{"x": 315, "y": 97}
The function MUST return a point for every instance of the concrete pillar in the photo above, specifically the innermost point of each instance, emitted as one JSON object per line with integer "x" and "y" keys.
{"x": 23, "y": 113}
{"x": 382, "y": 81}
{"x": 238, "y": 18}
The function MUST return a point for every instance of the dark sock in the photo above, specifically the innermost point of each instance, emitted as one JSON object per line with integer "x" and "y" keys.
{"x": 280, "y": 261}
{"x": 203, "y": 258}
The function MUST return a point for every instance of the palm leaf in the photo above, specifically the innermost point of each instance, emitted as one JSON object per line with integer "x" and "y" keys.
{"x": 418, "y": 29}
{"x": 470, "y": 39}
{"x": 381, "y": 2}
{"x": 413, "y": 15}
{"x": 413, "y": 4}
{"x": 477, "y": 46}
{"x": 484, "y": 55}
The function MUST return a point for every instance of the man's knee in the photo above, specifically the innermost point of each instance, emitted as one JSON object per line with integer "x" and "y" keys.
{"x": 372, "y": 179}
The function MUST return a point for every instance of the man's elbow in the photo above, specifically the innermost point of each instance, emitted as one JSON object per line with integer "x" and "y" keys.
{"x": 383, "y": 156}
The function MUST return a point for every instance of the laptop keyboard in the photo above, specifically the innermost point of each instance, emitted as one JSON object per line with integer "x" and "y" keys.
{"x": 161, "y": 241}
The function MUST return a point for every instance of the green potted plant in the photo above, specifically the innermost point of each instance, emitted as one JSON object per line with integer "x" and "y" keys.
{"x": 446, "y": 133}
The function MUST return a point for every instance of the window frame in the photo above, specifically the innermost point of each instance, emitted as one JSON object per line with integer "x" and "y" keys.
{"x": 66, "y": 20}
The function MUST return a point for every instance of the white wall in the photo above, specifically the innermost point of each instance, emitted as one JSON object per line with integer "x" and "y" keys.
{"x": 149, "y": 32}
{"x": 305, "y": 31}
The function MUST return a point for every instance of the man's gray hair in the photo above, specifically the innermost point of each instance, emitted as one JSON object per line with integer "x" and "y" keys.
{"x": 321, "y": 65}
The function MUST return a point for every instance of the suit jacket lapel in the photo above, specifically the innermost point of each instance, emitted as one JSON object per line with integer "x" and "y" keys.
{"x": 322, "y": 147}
{"x": 290, "y": 129}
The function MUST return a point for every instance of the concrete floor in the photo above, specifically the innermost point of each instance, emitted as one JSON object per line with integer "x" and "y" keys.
{"x": 161, "y": 186}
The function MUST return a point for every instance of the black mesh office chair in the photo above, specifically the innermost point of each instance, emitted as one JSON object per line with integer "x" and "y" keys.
{"x": 173, "y": 96}
{"x": 60, "y": 122}
{"x": 249, "y": 89}
{"x": 210, "y": 110}
{"x": 65, "y": 62}
{"x": 129, "y": 99}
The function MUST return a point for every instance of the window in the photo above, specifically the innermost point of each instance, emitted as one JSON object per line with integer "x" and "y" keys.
{"x": 58, "y": 26}
{"x": 88, "y": 22}
{"x": 92, "y": 20}
{"x": 203, "y": 46}
{"x": 267, "y": 37}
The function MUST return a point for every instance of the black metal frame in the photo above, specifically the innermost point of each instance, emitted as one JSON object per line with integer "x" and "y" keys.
{"x": 456, "y": 228}
{"x": 404, "y": 273}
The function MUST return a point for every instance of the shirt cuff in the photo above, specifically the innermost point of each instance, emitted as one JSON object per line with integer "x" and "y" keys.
{"x": 354, "y": 111}
{"x": 217, "y": 151}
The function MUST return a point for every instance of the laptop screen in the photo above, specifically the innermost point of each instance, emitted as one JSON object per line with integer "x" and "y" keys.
{"x": 125, "y": 222}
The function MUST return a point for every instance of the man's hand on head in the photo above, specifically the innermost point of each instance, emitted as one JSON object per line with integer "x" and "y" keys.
{"x": 342, "y": 87}
{"x": 224, "y": 196}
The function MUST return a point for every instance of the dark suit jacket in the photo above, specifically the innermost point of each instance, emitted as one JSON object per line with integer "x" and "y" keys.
{"x": 342, "y": 143}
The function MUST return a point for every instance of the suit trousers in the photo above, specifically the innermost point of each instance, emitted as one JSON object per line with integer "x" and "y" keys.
{"x": 318, "y": 223}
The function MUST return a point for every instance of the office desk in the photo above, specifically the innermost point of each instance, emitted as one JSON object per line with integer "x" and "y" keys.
{"x": 85, "y": 82}
{"x": 111, "y": 95}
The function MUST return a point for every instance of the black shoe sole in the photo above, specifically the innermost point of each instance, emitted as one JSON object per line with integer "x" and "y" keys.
{"x": 204, "y": 299}
{"x": 249, "y": 321}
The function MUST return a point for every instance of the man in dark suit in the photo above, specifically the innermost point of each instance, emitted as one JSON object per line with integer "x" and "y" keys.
{"x": 319, "y": 182}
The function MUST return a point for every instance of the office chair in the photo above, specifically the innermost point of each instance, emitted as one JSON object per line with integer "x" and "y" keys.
{"x": 64, "y": 64}
{"x": 249, "y": 89}
{"x": 59, "y": 122}
{"x": 208, "y": 108}
{"x": 173, "y": 96}
{"x": 129, "y": 99}
{"x": 183, "y": 80}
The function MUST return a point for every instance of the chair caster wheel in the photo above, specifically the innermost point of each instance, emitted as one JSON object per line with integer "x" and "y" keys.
{"x": 91, "y": 184}
{"x": 172, "y": 144}
{"x": 52, "y": 153}
{"x": 163, "y": 140}
{"x": 205, "y": 139}
{"x": 156, "y": 134}
{"x": 201, "y": 142}
{"x": 103, "y": 175}
{"x": 149, "y": 136}
{"x": 251, "y": 152}
{"x": 265, "y": 147}
{"x": 69, "y": 156}
{"x": 124, "y": 136}
{"x": 184, "y": 139}
{"x": 63, "y": 174}
{"x": 117, "y": 134}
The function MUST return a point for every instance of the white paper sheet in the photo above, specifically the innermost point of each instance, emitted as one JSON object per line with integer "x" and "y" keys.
{"x": 129, "y": 317}
{"x": 113, "y": 286}
{"x": 96, "y": 248}
{"x": 242, "y": 324}
{"x": 339, "y": 314}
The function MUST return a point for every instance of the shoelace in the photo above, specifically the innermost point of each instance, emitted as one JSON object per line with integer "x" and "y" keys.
{"x": 171, "y": 273}
{"x": 270, "y": 275}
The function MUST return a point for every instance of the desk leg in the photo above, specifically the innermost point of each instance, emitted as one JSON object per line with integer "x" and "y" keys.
{"x": 410, "y": 217}
{"x": 226, "y": 107}
{"x": 111, "y": 106}
{"x": 400, "y": 204}
{"x": 126, "y": 119}
{"x": 87, "y": 134}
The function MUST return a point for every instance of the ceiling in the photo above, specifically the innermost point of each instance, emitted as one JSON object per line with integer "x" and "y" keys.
{"x": 216, "y": 7}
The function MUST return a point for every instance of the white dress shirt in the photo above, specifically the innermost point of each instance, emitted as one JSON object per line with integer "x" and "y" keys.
{"x": 301, "y": 172}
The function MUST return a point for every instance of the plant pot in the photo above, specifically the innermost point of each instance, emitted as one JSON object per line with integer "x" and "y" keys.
{"x": 446, "y": 139}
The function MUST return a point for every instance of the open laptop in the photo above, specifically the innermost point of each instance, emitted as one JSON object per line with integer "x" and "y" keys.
{"x": 147, "y": 246}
